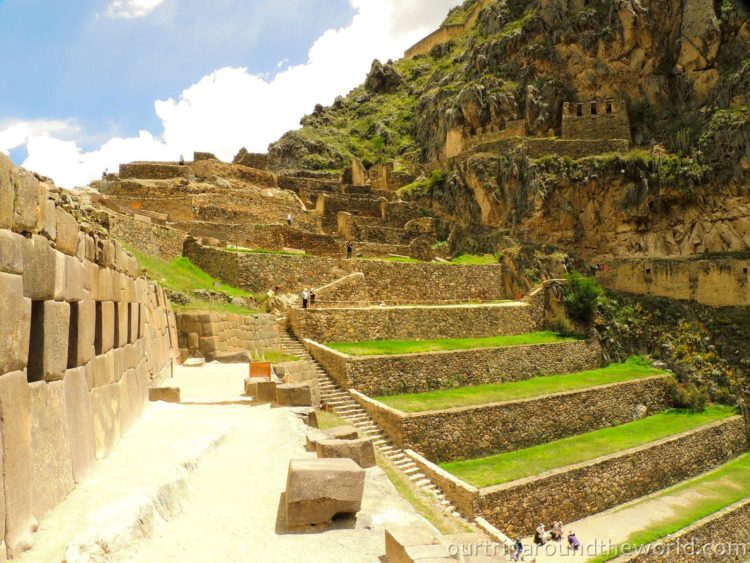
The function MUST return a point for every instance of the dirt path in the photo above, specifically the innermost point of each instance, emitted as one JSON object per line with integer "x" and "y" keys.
{"x": 170, "y": 493}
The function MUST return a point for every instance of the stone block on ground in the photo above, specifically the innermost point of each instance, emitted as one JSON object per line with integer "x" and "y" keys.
{"x": 361, "y": 450}
{"x": 251, "y": 385}
{"x": 165, "y": 394}
{"x": 194, "y": 363}
{"x": 430, "y": 554}
{"x": 313, "y": 437}
{"x": 306, "y": 415}
{"x": 399, "y": 538}
{"x": 263, "y": 390}
{"x": 293, "y": 395}
{"x": 15, "y": 427}
{"x": 346, "y": 432}
{"x": 80, "y": 418}
{"x": 317, "y": 490}
{"x": 14, "y": 336}
{"x": 51, "y": 464}
{"x": 235, "y": 357}
{"x": 48, "y": 353}
{"x": 105, "y": 405}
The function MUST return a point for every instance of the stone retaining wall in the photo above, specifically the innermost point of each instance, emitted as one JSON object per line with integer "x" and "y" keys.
{"x": 462, "y": 495}
{"x": 386, "y": 281}
{"x": 202, "y": 335}
{"x": 578, "y": 491}
{"x": 482, "y": 430}
{"x": 417, "y": 373}
{"x": 83, "y": 338}
{"x": 411, "y": 323}
{"x": 721, "y": 538}
{"x": 145, "y": 236}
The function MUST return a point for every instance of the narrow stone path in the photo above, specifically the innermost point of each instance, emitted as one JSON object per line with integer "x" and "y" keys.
{"x": 341, "y": 402}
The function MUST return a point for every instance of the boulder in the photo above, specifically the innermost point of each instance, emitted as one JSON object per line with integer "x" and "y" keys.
{"x": 383, "y": 78}
{"x": 165, "y": 394}
{"x": 293, "y": 395}
{"x": 400, "y": 538}
{"x": 361, "y": 451}
{"x": 236, "y": 357}
{"x": 312, "y": 438}
{"x": 195, "y": 363}
{"x": 319, "y": 489}
{"x": 306, "y": 415}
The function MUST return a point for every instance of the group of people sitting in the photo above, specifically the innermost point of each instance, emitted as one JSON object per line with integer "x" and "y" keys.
{"x": 542, "y": 536}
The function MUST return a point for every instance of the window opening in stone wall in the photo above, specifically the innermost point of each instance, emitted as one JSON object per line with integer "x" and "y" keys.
{"x": 35, "y": 363}
{"x": 98, "y": 330}
{"x": 609, "y": 106}
{"x": 140, "y": 312}
{"x": 594, "y": 108}
{"x": 73, "y": 337}
{"x": 579, "y": 110}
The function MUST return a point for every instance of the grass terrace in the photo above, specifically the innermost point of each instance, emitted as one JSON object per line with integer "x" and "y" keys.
{"x": 506, "y": 467}
{"x": 633, "y": 369}
{"x": 278, "y": 357}
{"x": 185, "y": 277}
{"x": 693, "y": 500}
{"x": 390, "y": 347}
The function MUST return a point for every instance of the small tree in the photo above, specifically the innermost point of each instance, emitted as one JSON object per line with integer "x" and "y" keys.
{"x": 581, "y": 297}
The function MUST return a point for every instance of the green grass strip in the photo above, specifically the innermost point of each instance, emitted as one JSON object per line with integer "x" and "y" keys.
{"x": 378, "y": 347}
{"x": 505, "y": 467}
{"x": 633, "y": 369}
{"x": 700, "y": 497}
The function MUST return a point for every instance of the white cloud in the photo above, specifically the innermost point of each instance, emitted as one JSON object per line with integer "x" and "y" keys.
{"x": 129, "y": 9}
{"x": 231, "y": 107}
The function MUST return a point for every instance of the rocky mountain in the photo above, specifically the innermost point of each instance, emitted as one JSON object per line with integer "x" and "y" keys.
{"x": 681, "y": 69}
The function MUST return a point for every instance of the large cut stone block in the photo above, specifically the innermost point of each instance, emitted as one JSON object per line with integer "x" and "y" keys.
{"x": 15, "y": 312}
{"x": 319, "y": 489}
{"x": 400, "y": 538}
{"x": 347, "y": 432}
{"x": 262, "y": 389}
{"x": 11, "y": 252}
{"x": 293, "y": 395}
{"x": 105, "y": 404}
{"x": 129, "y": 398}
{"x": 80, "y": 419}
{"x": 7, "y": 193}
{"x": 105, "y": 327}
{"x": 134, "y": 311}
{"x": 104, "y": 369}
{"x": 15, "y": 427}
{"x": 40, "y": 269}
{"x": 51, "y": 464}
{"x": 83, "y": 323}
{"x": 72, "y": 284}
{"x": 123, "y": 324}
{"x": 361, "y": 451}
{"x": 165, "y": 394}
{"x": 30, "y": 202}
{"x": 67, "y": 232}
{"x": 49, "y": 229}
{"x": 48, "y": 353}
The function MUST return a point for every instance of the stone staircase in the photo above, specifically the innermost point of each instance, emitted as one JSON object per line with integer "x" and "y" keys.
{"x": 342, "y": 404}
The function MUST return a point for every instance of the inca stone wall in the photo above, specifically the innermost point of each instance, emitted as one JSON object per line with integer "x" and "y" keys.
{"x": 722, "y": 537}
{"x": 596, "y": 119}
{"x": 716, "y": 282}
{"x": 417, "y": 373}
{"x": 204, "y": 335}
{"x": 142, "y": 234}
{"x": 477, "y": 431}
{"x": 569, "y": 494}
{"x": 83, "y": 337}
{"x": 389, "y": 282}
{"x": 412, "y": 323}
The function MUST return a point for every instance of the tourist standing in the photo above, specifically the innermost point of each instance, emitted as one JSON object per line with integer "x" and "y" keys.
{"x": 312, "y": 297}
{"x": 304, "y": 298}
{"x": 289, "y": 220}
{"x": 349, "y": 250}
{"x": 517, "y": 550}
{"x": 182, "y": 160}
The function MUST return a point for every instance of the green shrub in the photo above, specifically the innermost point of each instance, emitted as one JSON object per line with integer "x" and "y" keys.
{"x": 690, "y": 396}
{"x": 581, "y": 297}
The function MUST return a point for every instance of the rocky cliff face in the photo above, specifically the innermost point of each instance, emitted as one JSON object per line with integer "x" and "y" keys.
{"x": 682, "y": 67}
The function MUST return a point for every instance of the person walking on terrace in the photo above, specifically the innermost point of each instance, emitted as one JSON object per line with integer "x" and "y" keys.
{"x": 312, "y": 297}
{"x": 304, "y": 298}
{"x": 289, "y": 220}
{"x": 182, "y": 160}
{"x": 349, "y": 250}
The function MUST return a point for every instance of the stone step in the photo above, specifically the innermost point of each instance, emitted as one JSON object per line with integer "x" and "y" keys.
{"x": 417, "y": 476}
{"x": 410, "y": 470}
{"x": 423, "y": 482}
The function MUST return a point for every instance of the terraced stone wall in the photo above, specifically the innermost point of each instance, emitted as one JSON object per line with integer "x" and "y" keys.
{"x": 142, "y": 234}
{"x": 82, "y": 340}
{"x": 417, "y": 373}
{"x": 477, "y": 431}
{"x": 203, "y": 335}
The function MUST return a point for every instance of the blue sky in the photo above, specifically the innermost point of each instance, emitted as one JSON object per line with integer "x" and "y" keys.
{"x": 91, "y": 83}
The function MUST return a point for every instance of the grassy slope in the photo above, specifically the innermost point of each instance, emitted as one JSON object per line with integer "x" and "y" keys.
{"x": 708, "y": 494}
{"x": 634, "y": 368}
{"x": 510, "y": 466}
{"x": 417, "y": 346}
{"x": 184, "y": 276}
